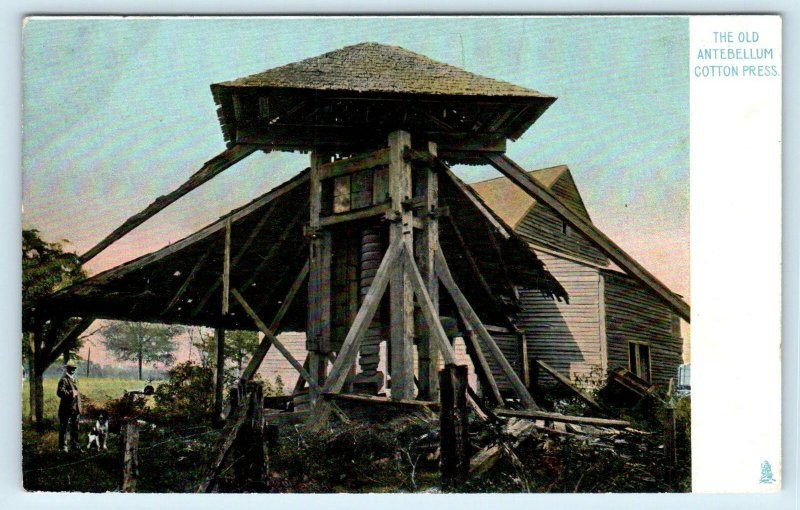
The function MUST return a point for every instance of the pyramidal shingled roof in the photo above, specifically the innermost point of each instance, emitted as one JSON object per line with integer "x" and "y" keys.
{"x": 373, "y": 67}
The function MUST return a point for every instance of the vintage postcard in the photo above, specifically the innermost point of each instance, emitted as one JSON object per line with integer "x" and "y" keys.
{"x": 401, "y": 254}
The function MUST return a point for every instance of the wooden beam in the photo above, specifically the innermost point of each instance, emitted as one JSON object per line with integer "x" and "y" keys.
{"x": 226, "y": 270}
{"x": 319, "y": 294}
{"x": 67, "y": 340}
{"x": 401, "y": 297}
{"x": 219, "y": 374}
{"x": 354, "y": 164}
{"x": 223, "y": 446}
{"x": 359, "y": 214}
{"x": 569, "y": 384}
{"x": 349, "y": 349}
{"x": 272, "y": 338}
{"x": 482, "y": 367}
{"x": 266, "y": 343}
{"x": 561, "y": 418}
{"x": 214, "y": 228}
{"x": 518, "y": 176}
{"x": 443, "y": 271}
{"x": 381, "y": 401}
{"x": 210, "y": 170}
{"x": 427, "y": 353}
{"x": 470, "y": 195}
{"x": 426, "y": 305}
{"x": 454, "y": 427}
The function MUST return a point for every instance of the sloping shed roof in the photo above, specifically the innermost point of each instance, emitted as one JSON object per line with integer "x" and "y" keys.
{"x": 512, "y": 203}
{"x": 180, "y": 283}
{"x": 372, "y": 67}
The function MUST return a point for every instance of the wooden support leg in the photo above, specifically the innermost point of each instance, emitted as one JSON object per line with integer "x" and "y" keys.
{"x": 401, "y": 298}
{"x": 130, "y": 454}
{"x": 454, "y": 423}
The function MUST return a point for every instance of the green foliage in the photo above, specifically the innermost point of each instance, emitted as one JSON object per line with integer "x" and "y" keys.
{"x": 141, "y": 342}
{"x": 188, "y": 395}
{"x": 46, "y": 269}
{"x": 240, "y": 345}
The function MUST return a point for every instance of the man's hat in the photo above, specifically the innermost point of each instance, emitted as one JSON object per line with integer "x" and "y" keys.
{"x": 70, "y": 365}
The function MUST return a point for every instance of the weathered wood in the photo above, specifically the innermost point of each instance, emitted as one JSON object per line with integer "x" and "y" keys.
{"x": 189, "y": 279}
{"x": 518, "y": 175}
{"x": 319, "y": 294}
{"x": 369, "y": 305}
{"x": 454, "y": 427}
{"x": 670, "y": 446}
{"x": 427, "y": 353}
{"x": 354, "y": 164}
{"x": 518, "y": 429}
{"x": 129, "y": 440}
{"x": 226, "y": 270}
{"x": 361, "y": 214}
{"x": 381, "y": 401}
{"x": 426, "y": 307}
{"x": 272, "y": 338}
{"x": 401, "y": 297}
{"x": 223, "y": 446}
{"x": 65, "y": 342}
{"x": 254, "y": 272}
{"x": 215, "y": 227}
{"x": 482, "y": 368}
{"x": 569, "y": 384}
{"x": 211, "y": 169}
{"x": 282, "y": 419}
{"x": 219, "y": 373}
{"x": 562, "y": 418}
{"x": 443, "y": 271}
{"x": 266, "y": 343}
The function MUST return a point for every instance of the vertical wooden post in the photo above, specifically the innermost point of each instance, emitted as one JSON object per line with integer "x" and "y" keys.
{"x": 428, "y": 356}
{"x": 671, "y": 437}
{"x": 401, "y": 298}
{"x": 220, "y": 332}
{"x": 130, "y": 454}
{"x": 454, "y": 425}
{"x": 318, "y": 331}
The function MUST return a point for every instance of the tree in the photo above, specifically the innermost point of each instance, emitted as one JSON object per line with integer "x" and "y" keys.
{"x": 141, "y": 342}
{"x": 240, "y": 345}
{"x": 46, "y": 268}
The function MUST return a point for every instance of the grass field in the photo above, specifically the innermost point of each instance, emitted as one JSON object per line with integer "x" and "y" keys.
{"x": 97, "y": 390}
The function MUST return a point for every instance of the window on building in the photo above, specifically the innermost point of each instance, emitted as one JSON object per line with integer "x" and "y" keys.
{"x": 639, "y": 360}
{"x": 564, "y": 227}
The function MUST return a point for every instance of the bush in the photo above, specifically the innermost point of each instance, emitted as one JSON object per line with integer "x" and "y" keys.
{"x": 188, "y": 395}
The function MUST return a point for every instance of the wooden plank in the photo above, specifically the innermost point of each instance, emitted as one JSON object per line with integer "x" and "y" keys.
{"x": 354, "y": 164}
{"x": 266, "y": 343}
{"x": 226, "y": 270}
{"x": 361, "y": 214}
{"x": 443, "y": 271}
{"x": 361, "y": 323}
{"x": 561, "y": 418}
{"x": 130, "y": 454}
{"x": 401, "y": 297}
{"x": 569, "y": 384}
{"x": 454, "y": 427}
{"x": 268, "y": 334}
{"x": 519, "y": 177}
{"x": 281, "y": 419}
{"x": 189, "y": 279}
{"x": 318, "y": 293}
{"x": 381, "y": 401}
{"x": 209, "y": 170}
{"x": 601, "y": 313}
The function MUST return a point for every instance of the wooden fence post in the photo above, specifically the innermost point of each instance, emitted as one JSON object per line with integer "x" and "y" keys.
{"x": 670, "y": 446}
{"x": 130, "y": 454}
{"x": 454, "y": 427}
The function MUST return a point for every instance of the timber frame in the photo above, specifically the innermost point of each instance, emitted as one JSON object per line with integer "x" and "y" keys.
{"x": 379, "y": 162}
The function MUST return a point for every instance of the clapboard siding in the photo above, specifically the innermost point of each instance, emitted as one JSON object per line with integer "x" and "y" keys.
{"x": 275, "y": 364}
{"x": 542, "y": 226}
{"x": 632, "y": 313}
{"x": 565, "y": 335}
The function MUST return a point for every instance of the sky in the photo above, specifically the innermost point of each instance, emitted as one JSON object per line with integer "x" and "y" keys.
{"x": 118, "y": 111}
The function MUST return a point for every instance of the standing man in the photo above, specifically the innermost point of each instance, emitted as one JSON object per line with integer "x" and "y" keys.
{"x": 69, "y": 410}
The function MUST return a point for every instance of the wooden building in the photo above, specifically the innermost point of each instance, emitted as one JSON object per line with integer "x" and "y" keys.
{"x": 377, "y": 251}
{"x": 611, "y": 320}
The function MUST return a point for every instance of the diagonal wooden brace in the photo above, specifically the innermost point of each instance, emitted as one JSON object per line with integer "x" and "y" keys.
{"x": 443, "y": 272}
{"x": 349, "y": 350}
